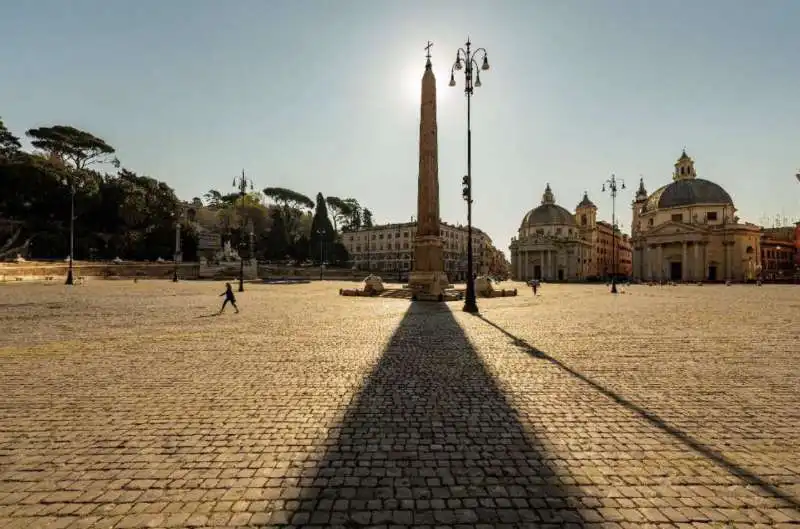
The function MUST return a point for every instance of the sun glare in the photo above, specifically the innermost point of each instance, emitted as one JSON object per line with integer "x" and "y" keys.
{"x": 412, "y": 84}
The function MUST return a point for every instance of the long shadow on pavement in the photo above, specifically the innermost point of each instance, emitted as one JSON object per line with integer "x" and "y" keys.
{"x": 743, "y": 474}
{"x": 431, "y": 440}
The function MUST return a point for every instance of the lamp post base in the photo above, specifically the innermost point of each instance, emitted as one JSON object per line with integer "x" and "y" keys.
{"x": 241, "y": 285}
{"x": 613, "y": 287}
{"x": 70, "y": 279}
{"x": 175, "y": 276}
{"x": 470, "y": 306}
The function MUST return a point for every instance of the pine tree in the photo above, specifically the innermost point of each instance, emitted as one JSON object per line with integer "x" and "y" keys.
{"x": 322, "y": 232}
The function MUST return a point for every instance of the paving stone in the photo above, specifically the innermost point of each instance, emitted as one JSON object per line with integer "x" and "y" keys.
{"x": 125, "y": 406}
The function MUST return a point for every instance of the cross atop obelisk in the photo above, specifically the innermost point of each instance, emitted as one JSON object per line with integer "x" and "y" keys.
{"x": 428, "y": 55}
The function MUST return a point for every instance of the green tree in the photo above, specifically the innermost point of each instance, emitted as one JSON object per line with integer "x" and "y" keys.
{"x": 322, "y": 232}
{"x": 353, "y": 220}
{"x": 9, "y": 143}
{"x": 72, "y": 145}
{"x": 215, "y": 199}
{"x": 366, "y": 218}
{"x": 340, "y": 211}
{"x": 292, "y": 205}
{"x": 275, "y": 244}
{"x": 139, "y": 215}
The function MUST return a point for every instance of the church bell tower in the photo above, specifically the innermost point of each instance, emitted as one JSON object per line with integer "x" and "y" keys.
{"x": 636, "y": 206}
{"x": 684, "y": 168}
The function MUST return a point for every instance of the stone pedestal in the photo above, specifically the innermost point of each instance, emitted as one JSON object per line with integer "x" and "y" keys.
{"x": 428, "y": 286}
{"x": 428, "y": 281}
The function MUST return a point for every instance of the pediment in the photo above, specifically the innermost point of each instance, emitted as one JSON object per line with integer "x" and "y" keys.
{"x": 676, "y": 228}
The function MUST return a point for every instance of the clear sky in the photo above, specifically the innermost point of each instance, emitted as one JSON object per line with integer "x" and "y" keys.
{"x": 323, "y": 95}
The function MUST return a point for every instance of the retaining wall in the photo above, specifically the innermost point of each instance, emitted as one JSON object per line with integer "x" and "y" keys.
{"x": 49, "y": 271}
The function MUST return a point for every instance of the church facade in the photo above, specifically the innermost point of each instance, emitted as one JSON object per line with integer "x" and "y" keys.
{"x": 554, "y": 244}
{"x": 549, "y": 245}
{"x": 688, "y": 230}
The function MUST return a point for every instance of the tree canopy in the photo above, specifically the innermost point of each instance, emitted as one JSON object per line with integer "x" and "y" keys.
{"x": 9, "y": 144}
{"x": 122, "y": 213}
{"x": 70, "y": 144}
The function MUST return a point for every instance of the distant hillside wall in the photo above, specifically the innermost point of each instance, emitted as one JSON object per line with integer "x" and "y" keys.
{"x": 38, "y": 270}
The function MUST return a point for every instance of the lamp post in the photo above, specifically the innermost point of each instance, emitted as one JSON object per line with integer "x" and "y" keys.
{"x": 321, "y": 235}
{"x": 613, "y": 184}
{"x": 242, "y": 183}
{"x": 466, "y": 59}
{"x": 252, "y": 236}
{"x": 177, "y": 251}
{"x": 70, "y": 277}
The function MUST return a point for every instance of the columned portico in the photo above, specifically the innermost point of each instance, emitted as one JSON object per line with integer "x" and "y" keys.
{"x": 543, "y": 261}
{"x": 660, "y": 261}
{"x": 685, "y": 262}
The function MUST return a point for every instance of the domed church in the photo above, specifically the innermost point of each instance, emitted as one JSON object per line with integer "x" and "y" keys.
{"x": 549, "y": 244}
{"x": 688, "y": 230}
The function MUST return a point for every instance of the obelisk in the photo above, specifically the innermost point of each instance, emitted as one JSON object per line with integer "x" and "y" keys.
{"x": 428, "y": 280}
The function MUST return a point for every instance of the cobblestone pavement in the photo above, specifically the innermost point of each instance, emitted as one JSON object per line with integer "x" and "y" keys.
{"x": 127, "y": 405}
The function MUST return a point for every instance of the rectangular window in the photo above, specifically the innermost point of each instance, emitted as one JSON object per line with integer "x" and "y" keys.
{"x": 711, "y": 215}
{"x": 677, "y": 218}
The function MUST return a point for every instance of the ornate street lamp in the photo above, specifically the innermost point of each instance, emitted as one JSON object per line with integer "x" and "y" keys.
{"x": 70, "y": 277}
{"x": 612, "y": 184}
{"x": 466, "y": 59}
{"x": 177, "y": 248}
{"x": 242, "y": 183}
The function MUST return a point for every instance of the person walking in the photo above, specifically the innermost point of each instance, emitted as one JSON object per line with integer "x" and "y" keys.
{"x": 229, "y": 297}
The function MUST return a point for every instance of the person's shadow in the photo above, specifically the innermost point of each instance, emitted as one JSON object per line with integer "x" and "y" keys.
{"x": 430, "y": 440}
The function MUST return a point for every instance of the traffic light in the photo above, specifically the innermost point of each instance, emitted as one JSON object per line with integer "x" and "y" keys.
{"x": 466, "y": 192}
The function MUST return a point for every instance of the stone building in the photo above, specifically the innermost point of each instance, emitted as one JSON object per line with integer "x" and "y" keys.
{"x": 549, "y": 244}
{"x": 688, "y": 230}
{"x": 778, "y": 249}
{"x": 603, "y": 237}
{"x": 555, "y": 245}
{"x": 388, "y": 249}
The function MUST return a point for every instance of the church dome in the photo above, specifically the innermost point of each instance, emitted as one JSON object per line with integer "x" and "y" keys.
{"x": 687, "y": 193}
{"x": 686, "y": 189}
{"x": 548, "y": 213}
